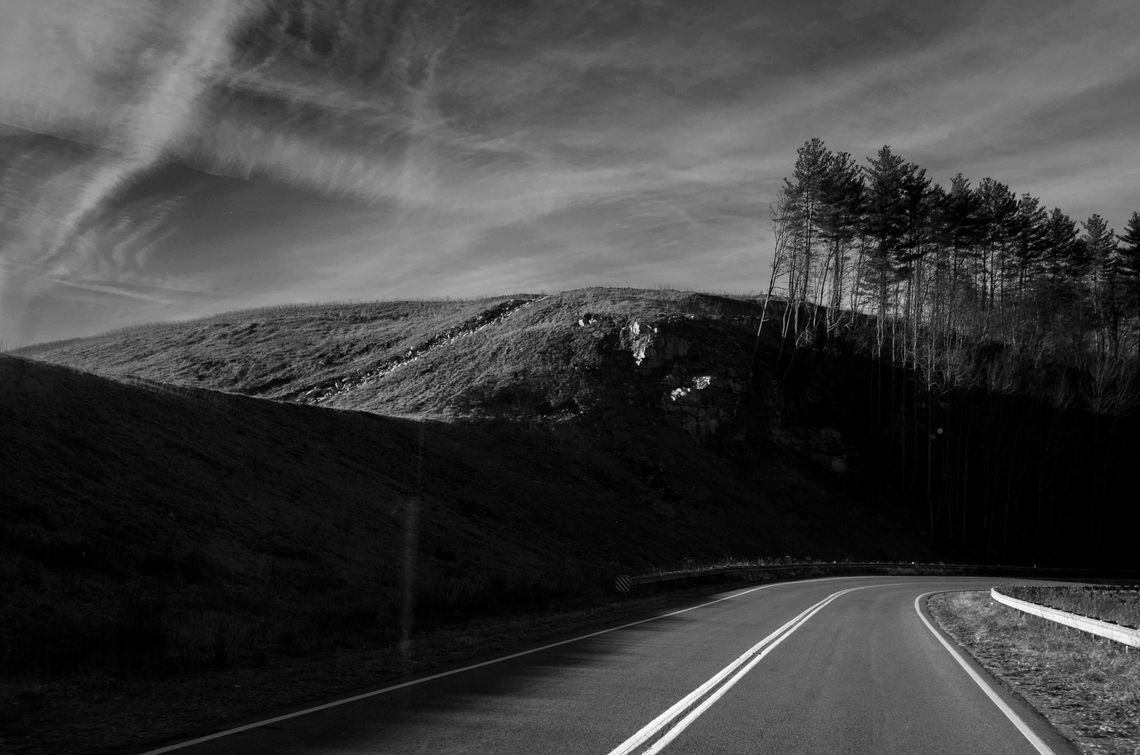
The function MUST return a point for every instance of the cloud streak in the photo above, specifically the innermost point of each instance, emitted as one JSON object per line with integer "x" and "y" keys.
{"x": 123, "y": 78}
{"x": 387, "y": 147}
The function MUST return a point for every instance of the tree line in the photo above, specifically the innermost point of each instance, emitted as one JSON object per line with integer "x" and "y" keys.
{"x": 932, "y": 277}
{"x": 987, "y": 348}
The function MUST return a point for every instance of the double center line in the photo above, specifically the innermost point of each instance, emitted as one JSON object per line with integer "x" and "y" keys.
{"x": 704, "y": 696}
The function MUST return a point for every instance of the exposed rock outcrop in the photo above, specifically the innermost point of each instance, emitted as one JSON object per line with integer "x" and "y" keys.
{"x": 693, "y": 371}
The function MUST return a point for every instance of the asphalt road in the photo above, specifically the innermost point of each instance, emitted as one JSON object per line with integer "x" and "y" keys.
{"x": 822, "y": 666}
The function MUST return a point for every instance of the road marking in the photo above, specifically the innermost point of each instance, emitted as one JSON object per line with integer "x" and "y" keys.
{"x": 646, "y": 732}
{"x": 748, "y": 660}
{"x": 472, "y": 667}
{"x": 1015, "y": 719}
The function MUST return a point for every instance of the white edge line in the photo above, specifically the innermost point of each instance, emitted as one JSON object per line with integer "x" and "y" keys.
{"x": 472, "y": 667}
{"x": 1015, "y": 719}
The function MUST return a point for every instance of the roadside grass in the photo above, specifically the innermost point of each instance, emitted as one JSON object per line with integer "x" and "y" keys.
{"x": 1088, "y": 687}
{"x": 1113, "y": 603}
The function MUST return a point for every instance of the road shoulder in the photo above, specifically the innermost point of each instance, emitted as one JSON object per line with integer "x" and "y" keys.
{"x": 113, "y": 713}
{"x": 1087, "y": 689}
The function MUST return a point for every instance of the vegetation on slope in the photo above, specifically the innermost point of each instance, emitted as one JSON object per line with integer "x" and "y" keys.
{"x": 279, "y": 352}
{"x": 157, "y": 527}
{"x": 946, "y": 270}
{"x": 654, "y": 376}
{"x": 519, "y": 355}
{"x": 153, "y": 527}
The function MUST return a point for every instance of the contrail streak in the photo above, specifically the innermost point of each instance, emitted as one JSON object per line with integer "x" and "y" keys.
{"x": 118, "y": 84}
{"x": 162, "y": 114}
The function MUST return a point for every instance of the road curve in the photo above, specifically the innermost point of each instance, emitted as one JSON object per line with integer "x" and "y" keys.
{"x": 831, "y": 665}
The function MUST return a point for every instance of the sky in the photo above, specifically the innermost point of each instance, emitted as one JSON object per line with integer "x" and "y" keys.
{"x": 166, "y": 159}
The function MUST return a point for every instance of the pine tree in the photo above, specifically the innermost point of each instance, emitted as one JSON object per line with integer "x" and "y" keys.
{"x": 959, "y": 231}
{"x": 1100, "y": 246}
{"x": 1060, "y": 297}
{"x": 1128, "y": 273}
{"x": 1028, "y": 243}
{"x": 885, "y": 226}
{"x": 801, "y": 208}
{"x": 918, "y": 210}
{"x": 998, "y": 210}
{"x": 842, "y": 209}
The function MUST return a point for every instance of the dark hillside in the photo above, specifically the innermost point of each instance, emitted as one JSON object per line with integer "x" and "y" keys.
{"x": 149, "y": 526}
{"x": 993, "y": 476}
{"x": 669, "y": 383}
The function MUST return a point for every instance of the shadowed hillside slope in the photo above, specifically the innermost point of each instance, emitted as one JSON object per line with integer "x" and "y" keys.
{"x": 146, "y": 524}
{"x": 675, "y": 388}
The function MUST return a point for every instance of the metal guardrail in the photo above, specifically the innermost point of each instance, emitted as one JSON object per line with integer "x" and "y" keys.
{"x": 628, "y": 582}
{"x": 1125, "y": 635}
{"x": 625, "y": 583}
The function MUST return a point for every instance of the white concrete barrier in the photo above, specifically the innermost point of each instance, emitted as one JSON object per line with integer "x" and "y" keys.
{"x": 1115, "y": 632}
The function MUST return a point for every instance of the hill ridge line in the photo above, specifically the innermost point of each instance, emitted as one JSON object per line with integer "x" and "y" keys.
{"x": 330, "y": 389}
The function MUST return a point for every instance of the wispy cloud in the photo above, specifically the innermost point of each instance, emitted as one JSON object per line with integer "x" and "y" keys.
{"x": 474, "y": 146}
{"x": 122, "y": 78}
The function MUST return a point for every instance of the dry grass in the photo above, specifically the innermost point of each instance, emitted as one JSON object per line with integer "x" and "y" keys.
{"x": 1089, "y": 688}
{"x": 1112, "y": 603}
{"x": 276, "y": 352}
{"x": 408, "y": 358}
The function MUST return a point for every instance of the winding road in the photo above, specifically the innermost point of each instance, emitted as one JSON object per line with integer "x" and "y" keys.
{"x": 845, "y": 664}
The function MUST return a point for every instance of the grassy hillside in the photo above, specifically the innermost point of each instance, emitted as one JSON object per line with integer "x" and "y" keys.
{"x": 282, "y": 352}
{"x": 566, "y": 353}
{"x": 158, "y": 527}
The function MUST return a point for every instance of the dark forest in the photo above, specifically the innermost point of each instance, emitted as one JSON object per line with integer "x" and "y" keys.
{"x": 989, "y": 344}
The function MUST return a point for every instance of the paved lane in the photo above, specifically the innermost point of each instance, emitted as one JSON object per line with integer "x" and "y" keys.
{"x": 791, "y": 667}
{"x": 864, "y": 675}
